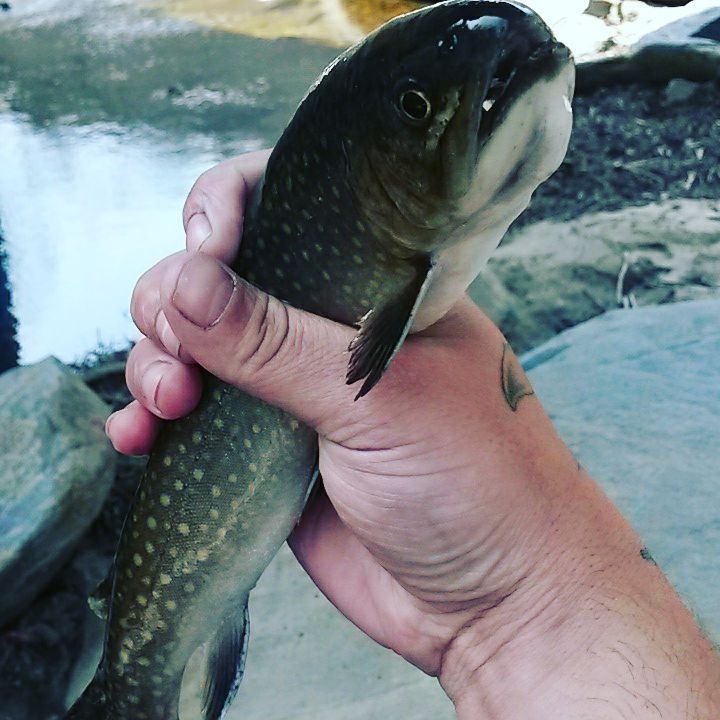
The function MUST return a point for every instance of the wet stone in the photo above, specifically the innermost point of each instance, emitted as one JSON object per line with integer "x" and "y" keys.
{"x": 56, "y": 473}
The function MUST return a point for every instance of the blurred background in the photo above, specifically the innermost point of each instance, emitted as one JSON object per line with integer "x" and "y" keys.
{"x": 110, "y": 109}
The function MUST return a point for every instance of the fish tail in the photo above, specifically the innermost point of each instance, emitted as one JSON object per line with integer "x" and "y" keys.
{"x": 91, "y": 705}
{"x": 225, "y": 665}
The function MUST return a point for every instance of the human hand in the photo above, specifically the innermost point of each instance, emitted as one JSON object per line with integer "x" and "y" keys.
{"x": 455, "y": 529}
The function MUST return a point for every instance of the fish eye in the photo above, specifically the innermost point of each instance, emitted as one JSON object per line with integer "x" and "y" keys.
{"x": 415, "y": 105}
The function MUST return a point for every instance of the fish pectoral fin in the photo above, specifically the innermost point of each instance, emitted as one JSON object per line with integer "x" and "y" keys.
{"x": 225, "y": 665}
{"x": 383, "y": 330}
{"x": 99, "y": 599}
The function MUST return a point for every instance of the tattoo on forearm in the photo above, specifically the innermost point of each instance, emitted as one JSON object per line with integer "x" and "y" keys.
{"x": 645, "y": 555}
{"x": 514, "y": 381}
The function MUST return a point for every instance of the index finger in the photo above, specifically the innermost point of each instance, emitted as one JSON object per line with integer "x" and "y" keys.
{"x": 214, "y": 210}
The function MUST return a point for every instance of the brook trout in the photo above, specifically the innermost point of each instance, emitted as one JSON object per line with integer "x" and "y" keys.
{"x": 400, "y": 172}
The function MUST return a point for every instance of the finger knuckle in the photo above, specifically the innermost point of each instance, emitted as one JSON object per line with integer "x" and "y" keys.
{"x": 267, "y": 341}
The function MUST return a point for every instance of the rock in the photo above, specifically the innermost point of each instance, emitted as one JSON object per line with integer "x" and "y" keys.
{"x": 685, "y": 49}
{"x": 636, "y": 395}
{"x": 679, "y": 91}
{"x": 9, "y": 350}
{"x": 549, "y": 276}
{"x": 688, "y": 30}
{"x": 57, "y": 470}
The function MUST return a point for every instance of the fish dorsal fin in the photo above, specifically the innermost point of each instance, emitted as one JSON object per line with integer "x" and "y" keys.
{"x": 99, "y": 599}
{"x": 225, "y": 665}
{"x": 383, "y": 330}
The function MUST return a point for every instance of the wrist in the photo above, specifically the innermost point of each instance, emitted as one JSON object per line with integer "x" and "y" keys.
{"x": 596, "y": 633}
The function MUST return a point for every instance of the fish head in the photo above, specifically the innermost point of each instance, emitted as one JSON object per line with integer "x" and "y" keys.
{"x": 451, "y": 116}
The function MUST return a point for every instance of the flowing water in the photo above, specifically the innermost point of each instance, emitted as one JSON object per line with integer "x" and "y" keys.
{"x": 107, "y": 116}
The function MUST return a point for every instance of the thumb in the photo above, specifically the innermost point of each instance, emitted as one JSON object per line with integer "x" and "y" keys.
{"x": 284, "y": 356}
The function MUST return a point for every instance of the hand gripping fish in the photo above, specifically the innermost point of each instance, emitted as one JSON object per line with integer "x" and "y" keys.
{"x": 397, "y": 177}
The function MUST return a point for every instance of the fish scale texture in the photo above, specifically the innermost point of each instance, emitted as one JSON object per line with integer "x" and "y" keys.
{"x": 222, "y": 491}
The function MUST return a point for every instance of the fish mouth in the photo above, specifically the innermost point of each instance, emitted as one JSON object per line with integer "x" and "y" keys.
{"x": 513, "y": 77}
{"x": 520, "y": 60}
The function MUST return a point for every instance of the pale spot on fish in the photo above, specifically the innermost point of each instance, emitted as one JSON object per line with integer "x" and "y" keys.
{"x": 222, "y": 532}
{"x": 215, "y": 491}
{"x": 335, "y": 250}
{"x": 214, "y": 514}
{"x": 164, "y": 499}
{"x": 218, "y": 422}
{"x": 198, "y": 474}
{"x": 357, "y": 260}
{"x": 142, "y": 600}
{"x": 217, "y": 395}
{"x": 294, "y": 424}
{"x": 202, "y": 555}
{"x": 256, "y": 428}
{"x": 183, "y": 529}
{"x": 165, "y": 579}
{"x": 178, "y": 485}
{"x": 252, "y": 467}
{"x": 150, "y": 547}
{"x": 247, "y": 443}
{"x": 189, "y": 587}
{"x": 167, "y": 461}
{"x": 143, "y": 662}
{"x": 204, "y": 527}
{"x": 279, "y": 272}
{"x": 326, "y": 274}
{"x": 129, "y": 574}
{"x": 235, "y": 504}
{"x": 232, "y": 477}
{"x": 182, "y": 449}
{"x": 124, "y": 656}
{"x": 171, "y": 605}
{"x": 151, "y": 522}
{"x": 137, "y": 559}
{"x": 173, "y": 552}
{"x": 197, "y": 437}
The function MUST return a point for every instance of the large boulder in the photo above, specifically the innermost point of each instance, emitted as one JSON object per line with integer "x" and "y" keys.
{"x": 57, "y": 470}
{"x": 636, "y": 395}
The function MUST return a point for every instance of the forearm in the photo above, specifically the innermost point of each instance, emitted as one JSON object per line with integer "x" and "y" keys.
{"x": 604, "y": 638}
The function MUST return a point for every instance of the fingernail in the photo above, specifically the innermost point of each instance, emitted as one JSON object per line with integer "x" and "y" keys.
{"x": 203, "y": 290}
{"x": 152, "y": 376}
{"x": 197, "y": 232}
{"x": 108, "y": 422}
{"x": 166, "y": 335}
